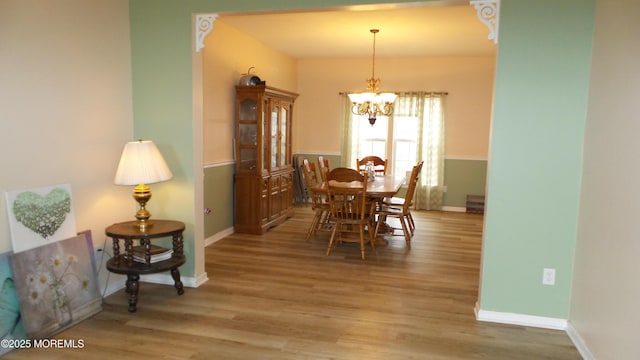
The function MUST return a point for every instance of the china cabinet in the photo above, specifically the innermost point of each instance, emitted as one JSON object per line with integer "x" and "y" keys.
{"x": 263, "y": 181}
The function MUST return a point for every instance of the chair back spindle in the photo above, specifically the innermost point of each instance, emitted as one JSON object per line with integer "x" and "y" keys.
{"x": 324, "y": 167}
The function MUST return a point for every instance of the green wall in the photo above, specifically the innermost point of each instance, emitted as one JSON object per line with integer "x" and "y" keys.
{"x": 218, "y": 198}
{"x": 535, "y": 164}
{"x": 334, "y": 160}
{"x": 463, "y": 177}
{"x": 162, "y": 105}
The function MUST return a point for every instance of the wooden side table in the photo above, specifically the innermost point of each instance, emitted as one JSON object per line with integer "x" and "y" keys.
{"x": 138, "y": 242}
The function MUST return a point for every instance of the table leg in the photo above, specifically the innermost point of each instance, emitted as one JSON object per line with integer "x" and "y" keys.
{"x": 175, "y": 274}
{"x": 116, "y": 250}
{"x": 132, "y": 290}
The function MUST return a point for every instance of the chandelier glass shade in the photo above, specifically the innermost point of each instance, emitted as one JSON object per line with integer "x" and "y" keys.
{"x": 372, "y": 103}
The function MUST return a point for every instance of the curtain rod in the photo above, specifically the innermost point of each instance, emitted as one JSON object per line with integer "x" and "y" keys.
{"x": 426, "y": 92}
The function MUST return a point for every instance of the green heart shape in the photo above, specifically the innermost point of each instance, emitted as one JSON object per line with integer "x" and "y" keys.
{"x": 42, "y": 214}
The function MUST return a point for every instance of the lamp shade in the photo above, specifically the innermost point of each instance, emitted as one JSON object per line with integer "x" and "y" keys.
{"x": 141, "y": 163}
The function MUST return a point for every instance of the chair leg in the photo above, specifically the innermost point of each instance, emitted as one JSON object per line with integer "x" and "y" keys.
{"x": 333, "y": 234}
{"x": 322, "y": 214}
{"x": 361, "y": 241}
{"x": 405, "y": 230}
{"x": 372, "y": 239}
{"x": 412, "y": 224}
{"x": 314, "y": 224}
{"x": 375, "y": 233}
{"x": 325, "y": 219}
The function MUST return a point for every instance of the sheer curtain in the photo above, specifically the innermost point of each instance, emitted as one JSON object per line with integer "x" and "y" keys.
{"x": 429, "y": 193}
{"x": 428, "y": 109}
{"x": 348, "y": 133}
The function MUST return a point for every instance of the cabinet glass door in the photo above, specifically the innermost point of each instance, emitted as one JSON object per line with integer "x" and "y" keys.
{"x": 248, "y": 134}
{"x": 284, "y": 121}
{"x": 247, "y": 137}
{"x": 248, "y": 159}
{"x": 248, "y": 110}
{"x": 274, "y": 136}
{"x": 265, "y": 135}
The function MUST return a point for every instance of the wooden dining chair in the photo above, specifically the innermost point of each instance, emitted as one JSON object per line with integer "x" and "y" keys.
{"x": 379, "y": 165}
{"x": 351, "y": 210}
{"x": 319, "y": 203}
{"x": 310, "y": 173}
{"x": 402, "y": 213}
{"x": 324, "y": 167}
{"x": 400, "y": 202}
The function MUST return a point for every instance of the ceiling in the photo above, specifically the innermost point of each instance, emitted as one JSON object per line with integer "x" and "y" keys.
{"x": 404, "y": 31}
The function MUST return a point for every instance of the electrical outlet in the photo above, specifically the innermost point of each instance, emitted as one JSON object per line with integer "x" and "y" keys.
{"x": 549, "y": 276}
{"x": 444, "y": 189}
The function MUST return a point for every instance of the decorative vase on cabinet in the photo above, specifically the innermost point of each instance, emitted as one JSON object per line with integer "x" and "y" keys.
{"x": 264, "y": 174}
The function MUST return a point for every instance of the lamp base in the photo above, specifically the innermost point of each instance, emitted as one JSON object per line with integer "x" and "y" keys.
{"x": 143, "y": 225}
{"x": 142, "y": 194}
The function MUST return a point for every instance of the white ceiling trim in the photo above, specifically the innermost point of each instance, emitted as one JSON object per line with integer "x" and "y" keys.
{"x": 204, "y": 26}
{"x": 489, "y": 14}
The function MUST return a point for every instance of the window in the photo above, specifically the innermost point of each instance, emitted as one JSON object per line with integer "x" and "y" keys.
{"x": 413, "y": 133}
{"x": 394, "y": 138}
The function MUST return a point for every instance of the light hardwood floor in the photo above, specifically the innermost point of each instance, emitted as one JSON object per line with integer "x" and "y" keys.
{"x": 279, "y": 297}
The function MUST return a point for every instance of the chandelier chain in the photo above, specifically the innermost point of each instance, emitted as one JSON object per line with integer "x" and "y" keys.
{"x": 373, "y": 59}
{"x": 372, "y": 103}
{"x": 373, "y": 83}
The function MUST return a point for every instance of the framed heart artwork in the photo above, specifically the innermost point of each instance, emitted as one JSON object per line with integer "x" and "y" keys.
{"x": 40, "y": 216}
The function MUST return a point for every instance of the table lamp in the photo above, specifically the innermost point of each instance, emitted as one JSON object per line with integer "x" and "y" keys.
{"x": 141, "y": 163}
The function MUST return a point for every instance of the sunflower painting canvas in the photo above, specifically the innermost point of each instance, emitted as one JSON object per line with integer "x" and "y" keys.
{"x": 40, "y": 216}
{"x": 56, "y": 286}
{"x": 11, "y": 326}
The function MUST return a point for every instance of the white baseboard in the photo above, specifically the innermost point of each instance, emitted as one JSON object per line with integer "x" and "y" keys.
{"x": 218, "y": 236}
{"x": 536, "y": 321}
{"x": 118, "y": 284}
{"x": 166, "y": 279}
{"x": 201, "y": 279}
{"x": 520, "y": 319}
{"x": 579, "y": 343}
{"x": 224, "y": 163}
{"x": 454, "y": 208}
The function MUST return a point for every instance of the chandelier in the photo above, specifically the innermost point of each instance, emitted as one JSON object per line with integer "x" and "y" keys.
{"x": 372, "y": 103}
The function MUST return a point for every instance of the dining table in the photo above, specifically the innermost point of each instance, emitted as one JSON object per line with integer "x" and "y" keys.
{"x": 381, "y": 187}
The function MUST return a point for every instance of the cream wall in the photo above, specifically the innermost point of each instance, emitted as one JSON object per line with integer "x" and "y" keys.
{"x": 65, "y": 105}
{"x": 606, "y": 291}
{"x": 469, "y": 81}
{"x": 228, "y": 54}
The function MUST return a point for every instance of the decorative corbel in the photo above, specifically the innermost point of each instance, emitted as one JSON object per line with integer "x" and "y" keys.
{"x": 204, "y": 25}
{"x": 489, "y": 14}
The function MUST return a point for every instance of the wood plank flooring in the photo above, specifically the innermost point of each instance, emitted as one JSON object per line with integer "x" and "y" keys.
{"x": 279, "y": 297}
